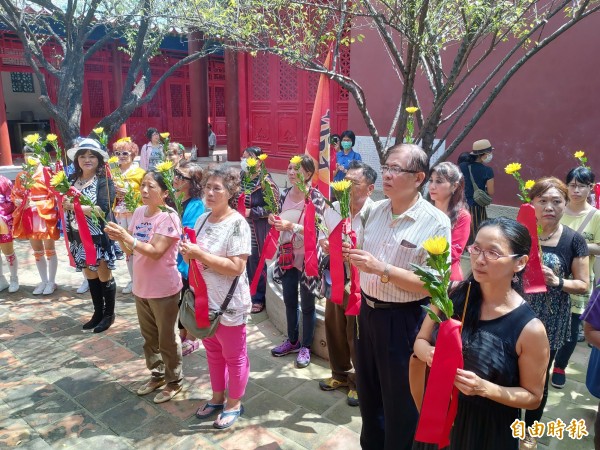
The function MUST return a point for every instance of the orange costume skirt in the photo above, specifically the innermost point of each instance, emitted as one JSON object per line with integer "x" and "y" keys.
{"x": 37, "y": 216}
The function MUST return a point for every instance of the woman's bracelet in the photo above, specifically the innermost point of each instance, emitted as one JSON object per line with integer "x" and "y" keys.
{"x": 134, "y": 243}
{"x": 561, "y": 283}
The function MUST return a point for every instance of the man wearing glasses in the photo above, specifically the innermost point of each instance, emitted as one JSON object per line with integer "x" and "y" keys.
{"x": 392, "y": 296}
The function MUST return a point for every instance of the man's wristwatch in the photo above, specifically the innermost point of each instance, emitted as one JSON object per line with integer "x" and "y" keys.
{"x": 385, "y": 276}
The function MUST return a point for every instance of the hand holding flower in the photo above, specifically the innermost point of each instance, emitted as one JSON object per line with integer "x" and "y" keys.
{"x": 469, "y": 383}
{"x": 364, "y": 261}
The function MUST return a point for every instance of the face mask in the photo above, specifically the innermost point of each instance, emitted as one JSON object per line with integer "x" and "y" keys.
{"x": 487, "y": 158}
{"x": 346, "y": 145}
{"x": 244, "y": 164}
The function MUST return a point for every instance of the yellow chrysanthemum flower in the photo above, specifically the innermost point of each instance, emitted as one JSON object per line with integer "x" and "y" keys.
{"x": 32, "y": 139}
{"x": 341, "y": 186}
{"x": 98, "y": 130}
{"x": 124, "y": 139}
{"x": 512, "y": 168}
{"x": 32, "y": 161}
{"x": 529, "y": 184}
{"x": 412, "y": 109}
{"x": 436, "y": 245}
{"x": 296, "y": 160}
{"x": 51, "y": 137}
{"x": 113, "y": 160}
{"x": 164, "y": 166}
{"x": 252, "y": 162}
{"x": 165, "y": 135}
{"x": 59, "y": 178}
{"x": 263, "y": 156}
{"x": 579, "y": 154}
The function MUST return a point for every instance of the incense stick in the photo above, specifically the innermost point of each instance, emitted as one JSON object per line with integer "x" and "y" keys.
{"x": 462, "y": 322}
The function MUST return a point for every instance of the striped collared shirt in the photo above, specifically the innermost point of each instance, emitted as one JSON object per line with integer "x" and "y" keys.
{"x": 399, "y": 242}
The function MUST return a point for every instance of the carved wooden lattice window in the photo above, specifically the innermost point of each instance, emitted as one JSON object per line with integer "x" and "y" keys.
{"x": 22, "y": 82}
{"x": 219, "y": 101}
{"x": 260, "y": 77}
{"x": 154, "y": 106}
{"x": 176, "y": 91}
{"x": 189, "y": 104}
{"x": 344, "y": 68}
{"x": 313, "y": 85}
{"x": 96, "y": 98}
{"x": 111, "y": 100}
{"x": 288, "y": 82}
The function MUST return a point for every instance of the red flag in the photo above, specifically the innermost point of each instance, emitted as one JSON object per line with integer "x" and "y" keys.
{"x": 317, "y": 143}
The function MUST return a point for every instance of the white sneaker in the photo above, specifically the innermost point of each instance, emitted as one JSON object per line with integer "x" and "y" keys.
{"x": 84, "y": 287}
{"x": 14, "y": 284}
{"x": 127, "y": 289}
{"x": 3, "y": 283}
{"x": 50, "y": 288}
{"x": 39, "y": 289}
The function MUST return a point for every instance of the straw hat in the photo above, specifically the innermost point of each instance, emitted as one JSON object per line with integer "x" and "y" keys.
{"x": 482, "y": 146}
{"x": 87, "y": 144}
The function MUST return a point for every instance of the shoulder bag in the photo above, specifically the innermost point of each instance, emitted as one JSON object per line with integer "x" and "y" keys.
{"x": 187, "y": 310}
{"x": 480, "y": 197}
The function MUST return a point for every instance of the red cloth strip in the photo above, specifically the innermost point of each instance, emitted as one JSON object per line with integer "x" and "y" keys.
{"x": 597, "y": 192}
{"x": 336, "y": 264}
{"x": 311, "y": 263}
{"x": 84, "y": 229}
{"x": 533, "y": 277}
{"x": 269, "y": 249}
{"x": 27, "y": 215}
{"x": 441, "y": 397}
{"x": 61, "y": 211}
{"x": 241, "y": 205}
{"x": 198, "y": 285}
{"x": 353, "y": 308}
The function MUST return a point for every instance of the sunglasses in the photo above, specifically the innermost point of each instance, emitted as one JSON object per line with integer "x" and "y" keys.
{"x": 122, "y": 153}
{"x": 181, "y": 176}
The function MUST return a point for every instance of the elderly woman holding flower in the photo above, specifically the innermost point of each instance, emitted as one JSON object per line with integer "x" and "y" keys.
{"x": 35, "y": 217}
{"x": 152, "y": 238}
{"x": 257, "y": 215}
{"x": 127, "y": 178}
{"x": 290, "y": 266}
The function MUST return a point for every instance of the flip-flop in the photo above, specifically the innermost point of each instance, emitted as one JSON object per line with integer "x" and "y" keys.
{"x": 257, "y": 308}
{"x": 235, "y": 414}
{"x": 208, "y": 410}
{"x": 191, "y": 347}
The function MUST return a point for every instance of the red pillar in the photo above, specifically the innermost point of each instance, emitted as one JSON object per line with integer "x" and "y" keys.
{"x": 232, "y": 101}
{"x": 117, "y": 78}
{"x": 5, "y": 152}
{"x": 198, "y": 71}
{"x": 242, "y": 71}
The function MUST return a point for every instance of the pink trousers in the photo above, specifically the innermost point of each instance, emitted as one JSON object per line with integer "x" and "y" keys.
{"x": 228, "y": 362}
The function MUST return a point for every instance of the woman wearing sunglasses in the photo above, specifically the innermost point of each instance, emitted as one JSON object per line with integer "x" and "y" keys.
{"x": 188, "y": 183}
{"x": 132, "y": 176}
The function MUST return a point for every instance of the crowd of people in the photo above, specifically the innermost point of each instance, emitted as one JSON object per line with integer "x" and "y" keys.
{"x": 511, "y": 339}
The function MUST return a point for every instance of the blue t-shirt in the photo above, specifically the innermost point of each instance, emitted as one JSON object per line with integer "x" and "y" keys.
{"x": 344, "y": 160}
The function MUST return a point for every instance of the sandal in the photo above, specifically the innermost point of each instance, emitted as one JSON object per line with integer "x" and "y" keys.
{"x": 190, "y": 347}
{"x": 166, "y": 395}
{"x": 208, "y": 410}
{"x": 257, "y": 308}
{"x": 225, "y": 414}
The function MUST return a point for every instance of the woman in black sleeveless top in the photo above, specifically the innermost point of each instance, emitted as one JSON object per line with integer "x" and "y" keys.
{"x": 505, "y": 348}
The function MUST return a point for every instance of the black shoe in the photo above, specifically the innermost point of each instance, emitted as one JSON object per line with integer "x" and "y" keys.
{"x": 105, "y": 324}
{"x": 93, "y": 322}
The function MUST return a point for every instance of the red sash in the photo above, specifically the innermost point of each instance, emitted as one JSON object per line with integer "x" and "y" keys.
{"x": 198, "y": 285}
{"x": 533, "y": 277}
{"x": 84, "y": 230}
{"x": 241, "y": 204}
{"x": 440, "y": 402}
{"x": 353, "y": 308}
{"x": 311, "y": 261}
{"x": 268, "y": 251}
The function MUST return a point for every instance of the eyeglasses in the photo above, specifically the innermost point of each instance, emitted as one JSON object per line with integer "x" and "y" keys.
{"x": 216, "y": 190}
{"x": 181, "y": 176}
{"x": 578, "y": 186}
{"x": 122, "y": 153}
{"x": 490, "y": 255}
{"x": 396, "y": 170}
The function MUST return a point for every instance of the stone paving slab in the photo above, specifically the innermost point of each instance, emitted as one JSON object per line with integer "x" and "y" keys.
{"x": 64, "y": 388}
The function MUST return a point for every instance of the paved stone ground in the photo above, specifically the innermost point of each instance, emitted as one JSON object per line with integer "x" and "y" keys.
{"x": 63, "y": 388}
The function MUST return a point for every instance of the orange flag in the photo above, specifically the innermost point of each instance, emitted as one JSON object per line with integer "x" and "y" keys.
{"x": 317, "y": 144}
